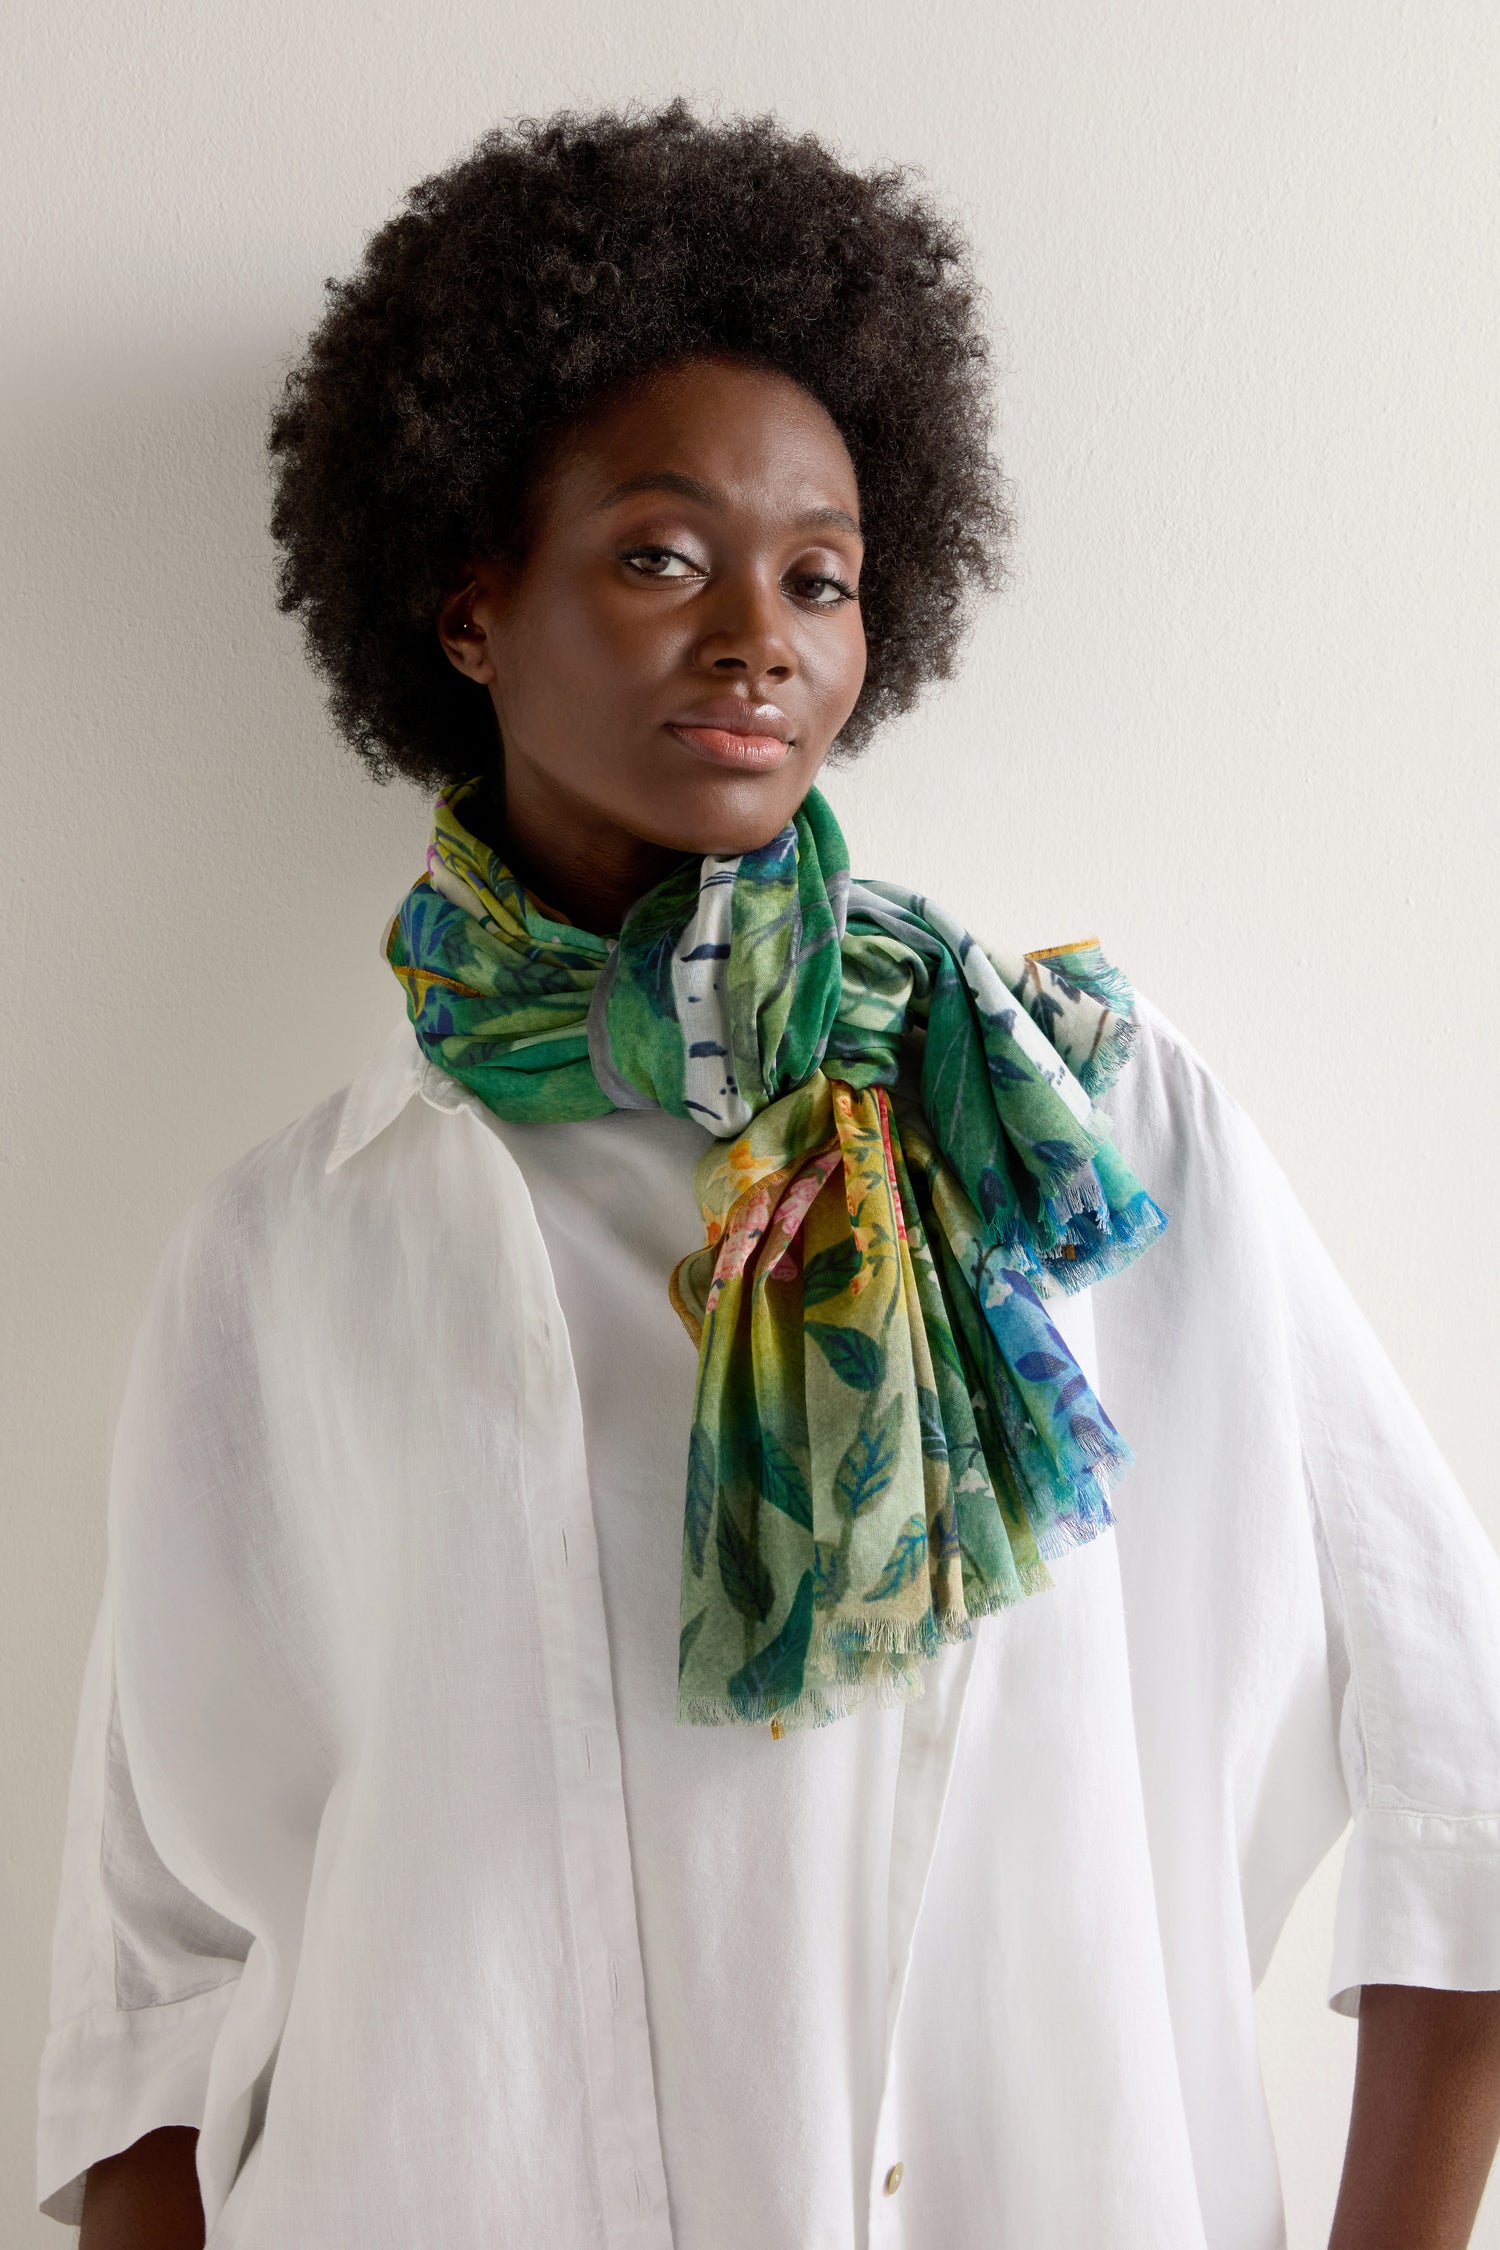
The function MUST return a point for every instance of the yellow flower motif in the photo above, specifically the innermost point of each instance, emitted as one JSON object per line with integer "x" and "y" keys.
{"x": 741, "y": 1158}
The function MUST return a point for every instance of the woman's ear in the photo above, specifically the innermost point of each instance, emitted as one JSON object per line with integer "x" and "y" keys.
{"x": 465, "y": 623}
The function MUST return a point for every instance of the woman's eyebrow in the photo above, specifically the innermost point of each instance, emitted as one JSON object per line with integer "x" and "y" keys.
{"x": 691, "y": 488}
{"x": 833, "y": 519}
{"x": 662, "y": 480}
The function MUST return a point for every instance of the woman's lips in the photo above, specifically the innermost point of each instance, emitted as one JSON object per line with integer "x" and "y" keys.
{"x": 725, "y": 746}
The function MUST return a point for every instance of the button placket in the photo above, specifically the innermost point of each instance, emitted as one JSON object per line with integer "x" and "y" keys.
{"x": 581, "y": 1710}
{"x": 929, "y": 1738}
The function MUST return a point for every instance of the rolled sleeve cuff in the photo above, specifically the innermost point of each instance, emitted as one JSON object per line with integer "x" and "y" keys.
{"x": 1418, "y": 1903}
{"x": 107, "y": 2078}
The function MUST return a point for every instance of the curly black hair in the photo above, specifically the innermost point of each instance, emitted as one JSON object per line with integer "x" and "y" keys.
{"x": 561, "y": 259}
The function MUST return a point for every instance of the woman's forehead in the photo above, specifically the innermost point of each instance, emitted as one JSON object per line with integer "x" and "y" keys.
{"x": 712, "y": 433}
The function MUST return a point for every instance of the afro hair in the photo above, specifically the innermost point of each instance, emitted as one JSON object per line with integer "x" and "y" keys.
{"x": 560, "y": 260}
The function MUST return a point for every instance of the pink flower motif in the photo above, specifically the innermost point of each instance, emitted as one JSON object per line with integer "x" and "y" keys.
{"x": 803, "y": 1193}
{"x": 746, "y": 1224}
{"x": 757, "y": 1218}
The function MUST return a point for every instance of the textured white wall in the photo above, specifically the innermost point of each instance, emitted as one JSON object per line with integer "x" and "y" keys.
{"x": 1237, "y": 716}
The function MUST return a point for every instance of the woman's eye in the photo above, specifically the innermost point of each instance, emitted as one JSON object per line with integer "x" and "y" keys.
{"x": 660, "y": 562}
{"x": 824, "y": 593}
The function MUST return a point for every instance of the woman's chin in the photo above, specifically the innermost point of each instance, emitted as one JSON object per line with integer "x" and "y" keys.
{"x": 724, "y": 813}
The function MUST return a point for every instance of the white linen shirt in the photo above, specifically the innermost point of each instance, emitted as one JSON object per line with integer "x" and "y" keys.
{"x": 388, "y": 1866}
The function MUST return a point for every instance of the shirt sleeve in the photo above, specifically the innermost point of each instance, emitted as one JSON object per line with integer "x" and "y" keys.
{"x": 1411, "y": 1591}
{"x": 142, "y": 1970}
{"x": 1396, "y": 1567}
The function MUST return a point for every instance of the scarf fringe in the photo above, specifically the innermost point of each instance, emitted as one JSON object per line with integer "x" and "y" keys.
{"x": 1130, "y": 1234}
{"x": 1097, "y": 1076}
{"x": 820, "y": 1703}
{"x": 1087, "y": 967}
{"x": 838, "y": 1676}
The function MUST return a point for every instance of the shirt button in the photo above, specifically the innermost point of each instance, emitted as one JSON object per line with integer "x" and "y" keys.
{"x": 893, "y": 2178}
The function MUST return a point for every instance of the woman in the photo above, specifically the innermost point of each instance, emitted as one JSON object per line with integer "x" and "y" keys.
{"x": 622, "y": 1711}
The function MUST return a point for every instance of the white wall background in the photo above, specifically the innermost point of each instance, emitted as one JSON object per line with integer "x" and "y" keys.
{"x": 1237, "y": 715}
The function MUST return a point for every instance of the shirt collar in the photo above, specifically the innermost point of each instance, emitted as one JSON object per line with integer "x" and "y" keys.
{"x": 383, "y": 1086}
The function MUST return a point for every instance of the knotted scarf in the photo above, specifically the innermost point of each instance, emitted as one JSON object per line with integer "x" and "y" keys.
{"x": 889, "y": 1436}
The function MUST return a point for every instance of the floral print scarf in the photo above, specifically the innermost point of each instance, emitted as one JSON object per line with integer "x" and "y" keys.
{"x": 904, "y": 1161}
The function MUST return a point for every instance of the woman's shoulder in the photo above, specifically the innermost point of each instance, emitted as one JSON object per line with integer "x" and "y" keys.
{"x": 280, "y": 1187}
{"x": 1196, "y": 1149}
{"x": 1168, "y": 1097}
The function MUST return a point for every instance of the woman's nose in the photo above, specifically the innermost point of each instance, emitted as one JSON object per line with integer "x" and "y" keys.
{"x": 747, "y": 632}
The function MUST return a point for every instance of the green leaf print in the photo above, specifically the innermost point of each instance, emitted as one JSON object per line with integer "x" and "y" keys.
{"x": 930, "y": 1424}
{"x": 775, "y": 1672}
{"x": 702, "y": 1483}
{"x": 855, "y": 1358}
{"x": 830, "y": 1272}
{"x": 870, "y": 1463}
{"x": 884, "y": 975}
{"x": 907, "y": 1558}
{"x": 782, "y": 1482}
{"x": 944, "y": 1348}
{"x": 686, "y": 1638}
{"x": 654, "y": 974}
{"x": 830, "y": 1574}
{"x": 743, "y": 1575}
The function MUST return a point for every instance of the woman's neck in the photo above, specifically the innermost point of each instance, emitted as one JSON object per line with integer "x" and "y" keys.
{"x": 575, "y": 859}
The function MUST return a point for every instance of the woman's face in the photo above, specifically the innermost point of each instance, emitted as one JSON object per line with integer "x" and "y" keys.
{"x": 672, "y": 661}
